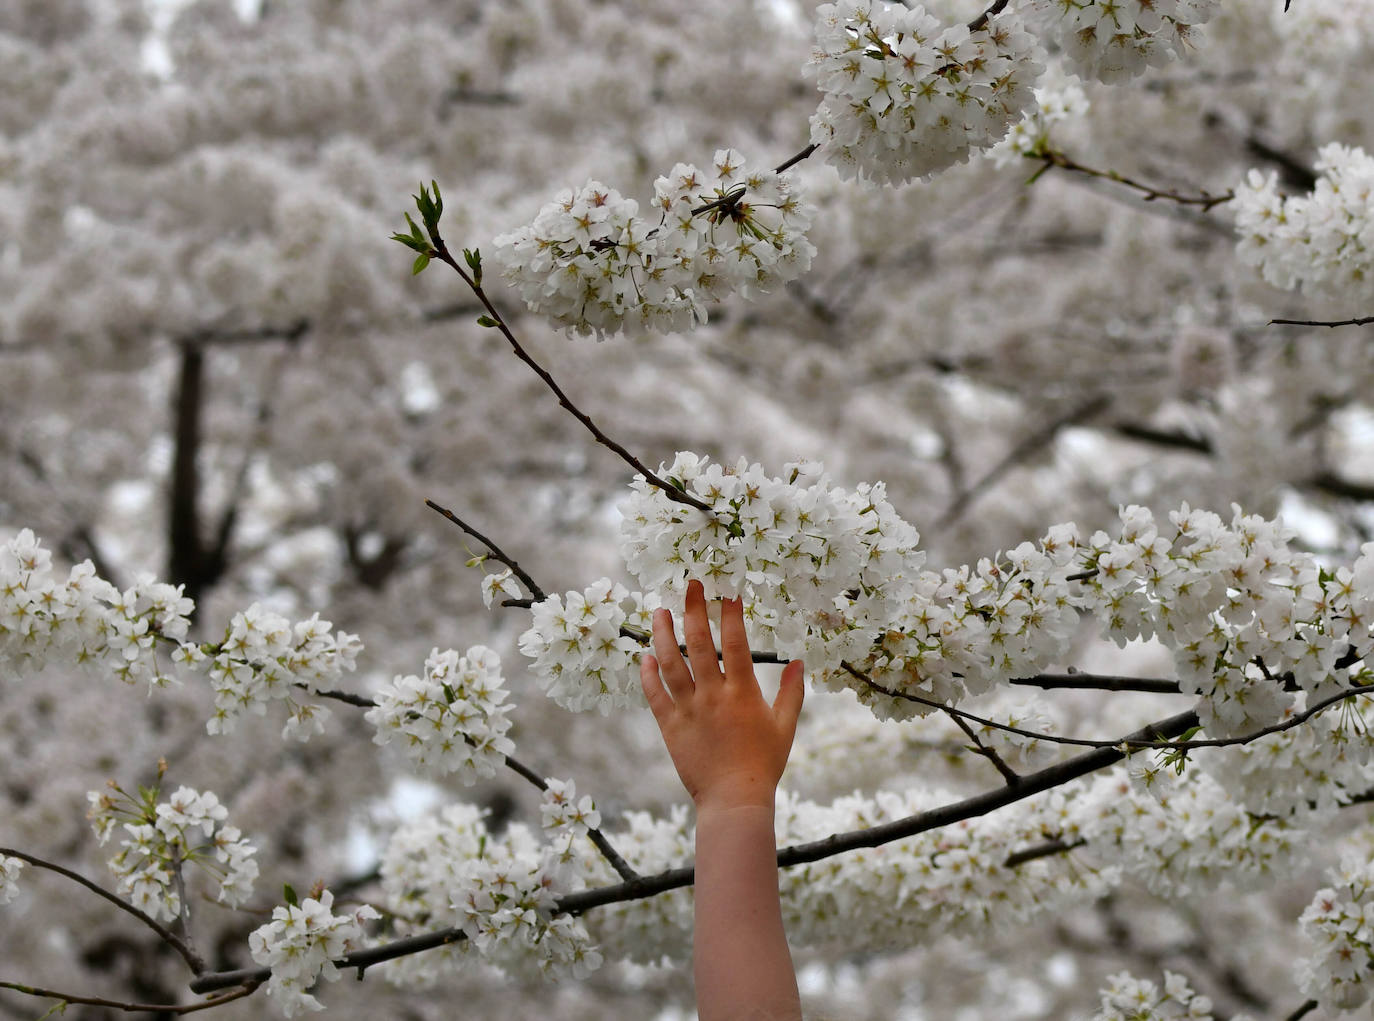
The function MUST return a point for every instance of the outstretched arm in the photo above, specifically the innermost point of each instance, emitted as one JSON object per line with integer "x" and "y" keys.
{"x": 730, "y": 747}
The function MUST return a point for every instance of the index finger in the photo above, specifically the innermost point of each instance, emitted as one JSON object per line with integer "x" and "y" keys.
{"x": 734, "y": 642}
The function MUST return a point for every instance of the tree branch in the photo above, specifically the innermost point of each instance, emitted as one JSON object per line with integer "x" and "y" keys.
{"x": 982, "y": 19}
{"x": 496, "y": 551}
{"x": 797, "y": 854}
{"x": 671, "y": 491}
{"x": 1332, "y": 323}
{"x": 1099, "y": 682}
{"x": 249, "y": 987}
{"x": 1215, "y": 742}
{"x": 1008, "y": 774}
{"x": 192, "y": 959}
{"x": 607, "y": 849}
{"x": 1054, "y": 158}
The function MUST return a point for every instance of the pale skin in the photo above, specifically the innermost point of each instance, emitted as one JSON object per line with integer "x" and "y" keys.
{"x": 729, "y": 747}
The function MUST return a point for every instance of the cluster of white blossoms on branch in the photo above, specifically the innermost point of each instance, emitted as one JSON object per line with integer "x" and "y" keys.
{"x": 1127, "y": 998}
{"x": 563, "y": 813}
{"x": 591, "y": 263}
{"x": 448, "y": 870}
{"x": 905, "y": 97}
{"x": 1114, "y": 40}
{"x": 581, "y": 659}
{"x": 162, "y": 836}
{"x": 452, "y": 720}
{"x": 1339, "y": 926}
{"x": 1322, "y": 242}
{"x": 835, "y": 578}
{"x": 264, "y": 657}
{"x": 82, "y": 619}
{"x": 300, "y": 945}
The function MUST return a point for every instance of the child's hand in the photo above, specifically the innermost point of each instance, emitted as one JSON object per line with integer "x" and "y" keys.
{"x": 728, "y": 744}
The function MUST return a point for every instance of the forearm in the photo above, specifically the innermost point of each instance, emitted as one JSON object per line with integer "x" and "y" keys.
{"x": 742, "y": 965}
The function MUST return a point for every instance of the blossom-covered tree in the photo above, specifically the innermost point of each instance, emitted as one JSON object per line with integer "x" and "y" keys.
{"x": 1081, "y": 282}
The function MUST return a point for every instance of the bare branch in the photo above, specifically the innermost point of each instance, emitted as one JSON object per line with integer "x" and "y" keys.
{"x": 1099, "y": 682}
{"x": 982, "y": 19}
{"x": 1054, "y": 158}
{"x": 1044, "y": 850}
{"x": 1332, "y": 323}
{"x": 496, "y": 551}
{"x": 1216, "y": 742}
{"x": 671, "y": 491}
{"x": 249, "y": 987}
{"x": 1008, "y": 774}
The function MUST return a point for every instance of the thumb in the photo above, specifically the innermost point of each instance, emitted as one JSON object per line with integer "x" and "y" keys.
{"x": 791, "y": 691}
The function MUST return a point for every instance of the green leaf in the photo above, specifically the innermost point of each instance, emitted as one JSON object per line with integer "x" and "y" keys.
{"x": 487, "y": 321}
{"x": 290, "y": 895}
{"x": 421, "y": 261}
{"x": 473, "y": 257}
{"x": 431, "y": 208}
{"x": 411, "y": 243}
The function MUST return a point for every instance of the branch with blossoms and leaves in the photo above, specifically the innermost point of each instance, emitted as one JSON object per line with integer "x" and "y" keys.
{"x": 1262, "y": 636}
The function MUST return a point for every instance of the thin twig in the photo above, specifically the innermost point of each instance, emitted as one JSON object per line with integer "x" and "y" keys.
{"x": 675, "y": 493}
{"x": 1054, "y": 158}
{"x": 1042, "y": 851}
{"x": 982, "y": 19}
{"x": 1332, "y": 323}
{"x": 1216, "y": 742}
{"x": 192, "y": 959}
{"x": 612, "y": 856}
{"x": 249, "y": 987}
{"x": 792, "y": 161}
{"x": 608, "y": 851}
{"x": 529, "y": 583}
{"x": 185, "y": 906}
{"x": 1310, "y": 1005}
{"x": 1008, "y": 774}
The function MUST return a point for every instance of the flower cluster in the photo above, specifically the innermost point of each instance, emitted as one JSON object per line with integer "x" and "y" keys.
{"x": 449, "y": 870}
{"x": 581, "y": 658}
{"x": 300, "y": 945}
{"x": 9, "y": 878}
{"x": 1245, "y": 616}
{"x": 820, "y": 568}
{"x": 1127, "y": 998}
{"x": 1322, "y": 242}
{"x": 1317, "y": 767}
{"x": 263, "y": 657}
{"x": 83, "y": 619}
{"x": 1115, "y": 40}
{"x": 835, "y": 578}
{"x": 905, "y": 97}
{"x": 593, "y": 265}
{"x": 1339, "y": 925}
{"x": 1058, "y": 97}
{"x": 452, "y": 720}
{"x": 565, "y": 816}
{"x": 162, "y": 836}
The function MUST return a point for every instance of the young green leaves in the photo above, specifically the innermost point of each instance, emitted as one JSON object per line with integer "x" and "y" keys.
{"x": 431, "y": 208}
